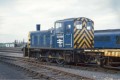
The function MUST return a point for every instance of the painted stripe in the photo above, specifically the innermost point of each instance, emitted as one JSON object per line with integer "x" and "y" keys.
{"x": 84, "y": 24}
{"x": 92, "y": 35}
{"x": 81, "y": 38}
{"x": 84, "y": 40}
{"x": 88, "y": 40}
{"x": 74, "y": 46}
{"x": 77, "y": 37}
{"x": 87, "y": 44}
{"x": 75, "y": 34}
{"x": 88, "y": 34}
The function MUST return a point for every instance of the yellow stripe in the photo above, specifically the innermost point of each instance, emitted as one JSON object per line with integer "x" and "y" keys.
{"x": 87, "y": 43}
{"x": 84, "y": 23}
{"x": 91, "y": 33}
{"x": 84, "y": 46}
{"x": 88, "y": 34}
{"x": 76, "y": 38}
{"x": 74, "y": 46}
{"x": 76, "y": 33}
{"x": 79, "y": 36}
{"x": 86, "y": 38}
{"x": 83, "y": 42}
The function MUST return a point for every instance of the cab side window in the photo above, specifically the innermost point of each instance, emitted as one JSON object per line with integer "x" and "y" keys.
{"x": 59, "y": 27}
{"x": 89, "y": 26}
{"x": 78, "y": 25}
{"x": 68, "y": 28}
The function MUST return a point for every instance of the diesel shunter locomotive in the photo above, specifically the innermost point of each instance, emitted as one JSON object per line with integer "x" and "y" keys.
{"x": 65, "y": 42}
{"x": 70, "y": 41}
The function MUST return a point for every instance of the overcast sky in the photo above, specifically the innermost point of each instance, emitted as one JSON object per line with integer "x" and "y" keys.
{"x": 18, "y": 17}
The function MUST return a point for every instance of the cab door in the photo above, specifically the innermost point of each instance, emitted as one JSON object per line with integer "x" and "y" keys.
{"x": 68, "y": 36}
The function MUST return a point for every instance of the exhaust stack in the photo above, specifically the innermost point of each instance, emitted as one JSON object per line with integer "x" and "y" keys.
{"x": 37, "y": 27}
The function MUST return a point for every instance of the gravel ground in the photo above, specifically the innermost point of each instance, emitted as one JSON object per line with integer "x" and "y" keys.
{"x": 90, "y": 74}
{"x": 10, "y": 73}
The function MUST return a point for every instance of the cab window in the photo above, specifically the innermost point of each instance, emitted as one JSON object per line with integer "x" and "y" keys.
{"x": 68, "y": 28}
{"x": 78, "y": 25}
{"x": 59, "y": 27}
{"x": 89, "y": 25}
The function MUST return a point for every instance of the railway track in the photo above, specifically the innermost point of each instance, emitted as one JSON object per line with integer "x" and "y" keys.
{"x": 37, "y": 70}
{"x": 60, "y": 72}
{"x": 105, "y": 69}
{"x": 53, "y": 71}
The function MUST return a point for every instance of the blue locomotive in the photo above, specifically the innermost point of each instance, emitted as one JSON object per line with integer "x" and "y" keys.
{"x": 107, "y": 39}
{"x": 63, "y": 43}
{"x": 67, "y": 34}
{"x": 73, "y": 40}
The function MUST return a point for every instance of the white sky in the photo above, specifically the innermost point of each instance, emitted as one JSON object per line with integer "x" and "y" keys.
{"x": 18, "y": 17}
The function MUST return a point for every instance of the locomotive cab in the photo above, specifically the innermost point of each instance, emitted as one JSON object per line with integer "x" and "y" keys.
{"x": 64, "y": 33}
{"x": 74, "y": 33}
{"x": 65, "y": 43}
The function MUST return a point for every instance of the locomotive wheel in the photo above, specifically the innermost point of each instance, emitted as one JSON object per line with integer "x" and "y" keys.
{"x": 60, "y": 58}
{"x": 49, "y": 57}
